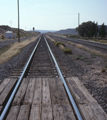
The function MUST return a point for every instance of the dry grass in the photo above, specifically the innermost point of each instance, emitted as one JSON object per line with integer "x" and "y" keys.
{"x": 98, "y": 53}
{"x": 50, "y": 38}
{"x": 61, "y": 47}
{"x": 14, "y": 50}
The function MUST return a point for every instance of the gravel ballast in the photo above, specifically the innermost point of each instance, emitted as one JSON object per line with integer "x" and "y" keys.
{"x": 15, "y": 62}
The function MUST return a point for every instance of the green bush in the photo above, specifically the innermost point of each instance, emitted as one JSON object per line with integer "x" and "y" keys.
{"x": 59, "y": 43}
{"x": 67, "y": 51}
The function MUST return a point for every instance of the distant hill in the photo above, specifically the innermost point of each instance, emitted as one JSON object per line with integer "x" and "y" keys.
{"x": 67, "y": 32}
{"x": 4, "y": 28}
{"x": 45, "y": 31}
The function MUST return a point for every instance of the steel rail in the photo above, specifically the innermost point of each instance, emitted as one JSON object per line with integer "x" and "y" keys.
{"x": 18, "y": 83}
{"x": 65, "y": 85}
{"x": 84, "y": 42}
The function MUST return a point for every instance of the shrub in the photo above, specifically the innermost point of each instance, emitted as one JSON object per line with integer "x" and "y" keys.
{"x": 2, "y": 37}
{"x": 59, "y": 43}
{"x": 93, "y": 55}
{"x": 77, "y": 58}
{"x": 67, "y": 51}
{"x": 103, "y": 70}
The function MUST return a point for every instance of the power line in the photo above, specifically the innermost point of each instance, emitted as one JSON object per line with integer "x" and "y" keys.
{"x": 50, "y": 9}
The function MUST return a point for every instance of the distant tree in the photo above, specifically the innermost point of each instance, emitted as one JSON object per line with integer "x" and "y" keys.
{"x": 102, "y": 31}
{"x": 88, "y": 29}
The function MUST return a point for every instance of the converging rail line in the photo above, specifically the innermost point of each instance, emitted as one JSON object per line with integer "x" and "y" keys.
{"x": 84, "y": 42}
{"x": 42, "y": 92}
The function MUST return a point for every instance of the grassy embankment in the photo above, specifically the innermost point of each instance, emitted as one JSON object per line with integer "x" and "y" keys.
{"x": 14, "y": 49}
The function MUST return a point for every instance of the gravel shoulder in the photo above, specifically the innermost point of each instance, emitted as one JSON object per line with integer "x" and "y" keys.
{"x": 15, "y": 62}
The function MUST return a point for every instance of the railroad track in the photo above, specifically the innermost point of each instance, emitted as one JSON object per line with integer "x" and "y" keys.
{"x": 101, "y": 46}
{"x": 44, "y": 63}
{"x": 41, "y": 91}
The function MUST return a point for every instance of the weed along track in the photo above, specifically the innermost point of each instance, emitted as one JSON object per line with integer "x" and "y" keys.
{"x": 47, "y": 90}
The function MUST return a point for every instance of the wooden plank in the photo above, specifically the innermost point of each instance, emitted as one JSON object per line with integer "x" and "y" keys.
{"x": 58, "y": 112}
{"x": 63, "y": 112}
{"x": 30, "y": 92}
{"x": 24, "y": 112}
{"x": 96, "y": 108}
{"x": 3, "y": 84}
{"x": 62, "y": 94}
{"x": 37, "y": 92}
{"x": 59, "y": 81}
{"x": 13, "y": 113}
{"x": 46, "y": 92}
{"x": 7, "y": 91}
{"x": 35, "y": 113}
{"x": 68, "y": 112}
{"x": 69, "y": 116}
{"x": 47, "y": 112}
{"x": 54, "y": 91}
{"x": 21, "y": 92}
{"x": 81, "y": 100}
{"x": 88, "y": 106}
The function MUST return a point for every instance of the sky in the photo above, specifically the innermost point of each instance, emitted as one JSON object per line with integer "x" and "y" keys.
{"x": 52, "y": 14}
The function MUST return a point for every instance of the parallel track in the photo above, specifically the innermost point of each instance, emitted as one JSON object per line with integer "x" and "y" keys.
{"x": 84, "y": 42}
{"x": 41, "y": 61}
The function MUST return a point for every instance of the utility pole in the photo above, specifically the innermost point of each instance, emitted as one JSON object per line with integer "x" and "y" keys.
{"x": 78, "y": 21}
{"x": 18, "y": 21}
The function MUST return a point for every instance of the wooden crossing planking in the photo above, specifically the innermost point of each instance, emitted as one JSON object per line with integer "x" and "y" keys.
{"x": 58, "y": 94}
{"x": 46, "y": 99}
{"x": 69, "y": 116}
{"x": 7, "y": 90}
{"x": 81, "y": 100}
{"x": 3, "y": 84}
{"x": 58, "y": 81}
{"x": 54, "y": 92}
{"x": 96, "y": 108}
{"x": 21, "y": 92}
{"x": 13, "y": 113}
{"x": 89, "y": 107}
{"x": 63, "y": 112}
{"x": 62, "y": 94}
{"x": 58, "y": 113}
{"x": 46, "y": 92}
{"x": 37, "y": 92}
{"x": 24, "y": 112}
{"x": 68, "y": 112}
{"x": 47, "y": 112}
{"x": 30, "y": 92}
{"x": 35, "y": 113}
